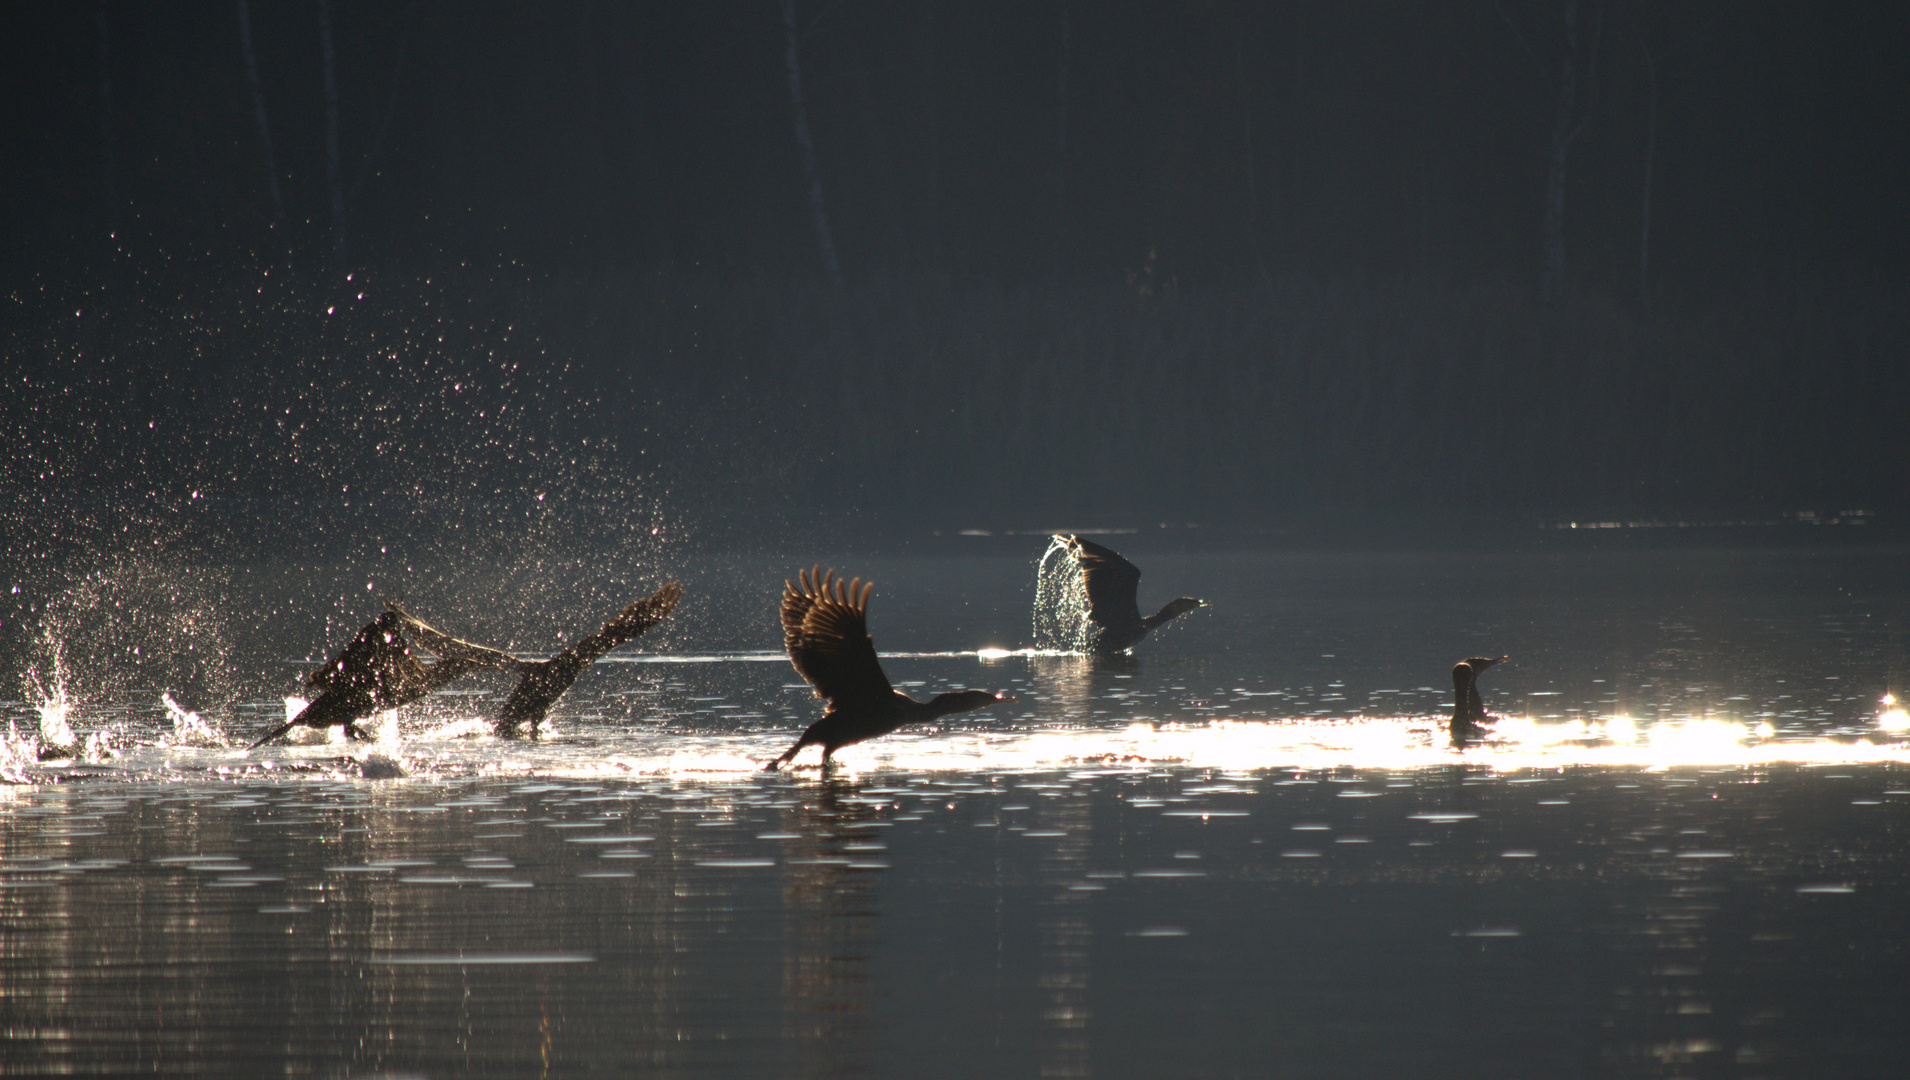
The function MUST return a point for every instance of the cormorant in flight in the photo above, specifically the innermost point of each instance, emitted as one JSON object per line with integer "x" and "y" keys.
{"x": 826, "y": 631}
{"x": 545, "y": 681}
{"x": 1113, "y": 621}
{"x": 377, "y": 671}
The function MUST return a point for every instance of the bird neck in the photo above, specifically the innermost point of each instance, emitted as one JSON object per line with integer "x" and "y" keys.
{"x": 1461, "y": 694}
{"x": 955, "y": 701}
{"x": 1174, "y": 609}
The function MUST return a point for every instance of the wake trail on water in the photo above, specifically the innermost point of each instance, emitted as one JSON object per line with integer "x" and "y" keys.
{"x": 765, "y": 656}
{"x": 465, "y": 747}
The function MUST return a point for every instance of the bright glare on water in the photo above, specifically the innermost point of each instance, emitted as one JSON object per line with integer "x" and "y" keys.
{"x": 1250, "y": 848}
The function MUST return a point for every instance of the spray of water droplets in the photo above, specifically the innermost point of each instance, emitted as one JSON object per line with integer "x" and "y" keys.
{"x": 1061, "y": 600}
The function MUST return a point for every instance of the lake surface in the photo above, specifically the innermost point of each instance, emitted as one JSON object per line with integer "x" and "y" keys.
{"x": 1247, "y": 850}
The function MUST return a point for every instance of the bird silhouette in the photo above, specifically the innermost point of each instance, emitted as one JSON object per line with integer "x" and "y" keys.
{"x": 1468, "y": 710}
{"x": 545, "y": 681}
{"x": 1113, "y": 619}
{"x": 826, "y": 632}
{"x": 377, "y": 671}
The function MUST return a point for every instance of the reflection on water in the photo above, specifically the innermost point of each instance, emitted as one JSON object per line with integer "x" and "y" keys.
{"x": 1105, "y": 920}
{"x": 1680, "y": 853}
{"x": 835, "y": 844}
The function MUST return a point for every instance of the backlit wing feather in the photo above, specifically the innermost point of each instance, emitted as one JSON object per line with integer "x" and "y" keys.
{"x": 1112, "y": 583}
{"x": 826, "y": 631}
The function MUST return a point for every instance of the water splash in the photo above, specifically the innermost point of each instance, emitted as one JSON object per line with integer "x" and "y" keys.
{"x": 1892, "y": 716}
{"x": 56, "y": 739}
{"x": 54, "y": 707}
{"x": 307, "y": 736}
{"x": 382, "y": 727}
{"x": 189, "y": 728}
{"x": 467, "y": 728}
{"x": 1401, "y": 743}
{"x": 1061, "y": 600}
{"x": 379, "y": 766}
{"x": 131, "y": 620}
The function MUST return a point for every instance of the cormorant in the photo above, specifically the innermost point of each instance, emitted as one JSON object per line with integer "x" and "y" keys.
{"x": 545, "y": 681}
{"x": 377, "y": 671}
{"x": 1114, "y": 623}
{"x": 826, "y": 631}
{"x": 1468, "y": 711}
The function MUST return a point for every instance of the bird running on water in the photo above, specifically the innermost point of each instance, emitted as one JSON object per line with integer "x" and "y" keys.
{"x": 826, "y": 632}
{"x": 1108, "y": 585}
{"x": 377, "y": 671}
{"x": 544, "y": 681}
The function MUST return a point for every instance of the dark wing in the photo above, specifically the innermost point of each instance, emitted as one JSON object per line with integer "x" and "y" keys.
{"x": 377, "y": 661}
{"x": 624, "y": 626}
{"x": 445, "y": 647}
{"x": 544, "y": 683}
{"x": 642, "y": 614}
{"x": 1476, "y": 705}
{"x": 1112, "y": 583}
{"x": 826, "y": 630}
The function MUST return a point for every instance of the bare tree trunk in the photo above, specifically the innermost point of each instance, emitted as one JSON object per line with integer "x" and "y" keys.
{"x": 1651, "y": 158}
{"x": 931, "y": 130}
{"x": 1062, "y": 66}
{"x": 258, "y": 112}
{"x": 1577, "y": 59}
{"x": 1552, "y": 283}
{"x": 1253, "y": 180}
{"x": 331, "y": 132}
{"x": 824, "y": 240}
{"x": 109, "y": 180}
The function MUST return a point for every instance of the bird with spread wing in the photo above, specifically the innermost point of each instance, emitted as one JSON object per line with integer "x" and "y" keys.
{"x": 542, "y": 682}
{"x": 1110, "y": 586}
{"x": 377, "y": 671}
{"x": 826, "y": 632}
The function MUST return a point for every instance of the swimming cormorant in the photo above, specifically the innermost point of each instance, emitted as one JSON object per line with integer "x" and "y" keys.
{"x": 1114, "y": 623}
{"x": 1468, "y": 710}
{"x": 826, "y": 631}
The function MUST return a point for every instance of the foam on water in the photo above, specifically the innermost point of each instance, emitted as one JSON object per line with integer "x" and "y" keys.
{"x": 678, "y": 741}
{"x": 467, "y": 748}
{"x": 55, "y": 731}
{"x": 189, "y": 728}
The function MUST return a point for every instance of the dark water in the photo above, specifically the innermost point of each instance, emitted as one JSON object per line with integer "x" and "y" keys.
{"x": 1248, "y": 850}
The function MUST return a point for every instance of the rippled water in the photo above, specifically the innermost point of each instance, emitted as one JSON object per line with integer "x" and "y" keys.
{"x": 1247, "y": 850}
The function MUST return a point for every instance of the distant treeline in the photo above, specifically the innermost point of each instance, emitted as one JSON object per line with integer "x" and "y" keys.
{"x": 265, "y": 408}
{"x": 1637, "y": 148}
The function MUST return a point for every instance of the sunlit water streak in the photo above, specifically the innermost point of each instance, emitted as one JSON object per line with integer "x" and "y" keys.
{"x": 462, "y": 745}
{"x": 1071, "y": 710}
{"x": 756, "y": 656}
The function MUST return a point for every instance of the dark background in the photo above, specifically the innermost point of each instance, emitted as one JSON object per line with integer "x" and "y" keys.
{"x": 1248, "y": 264}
